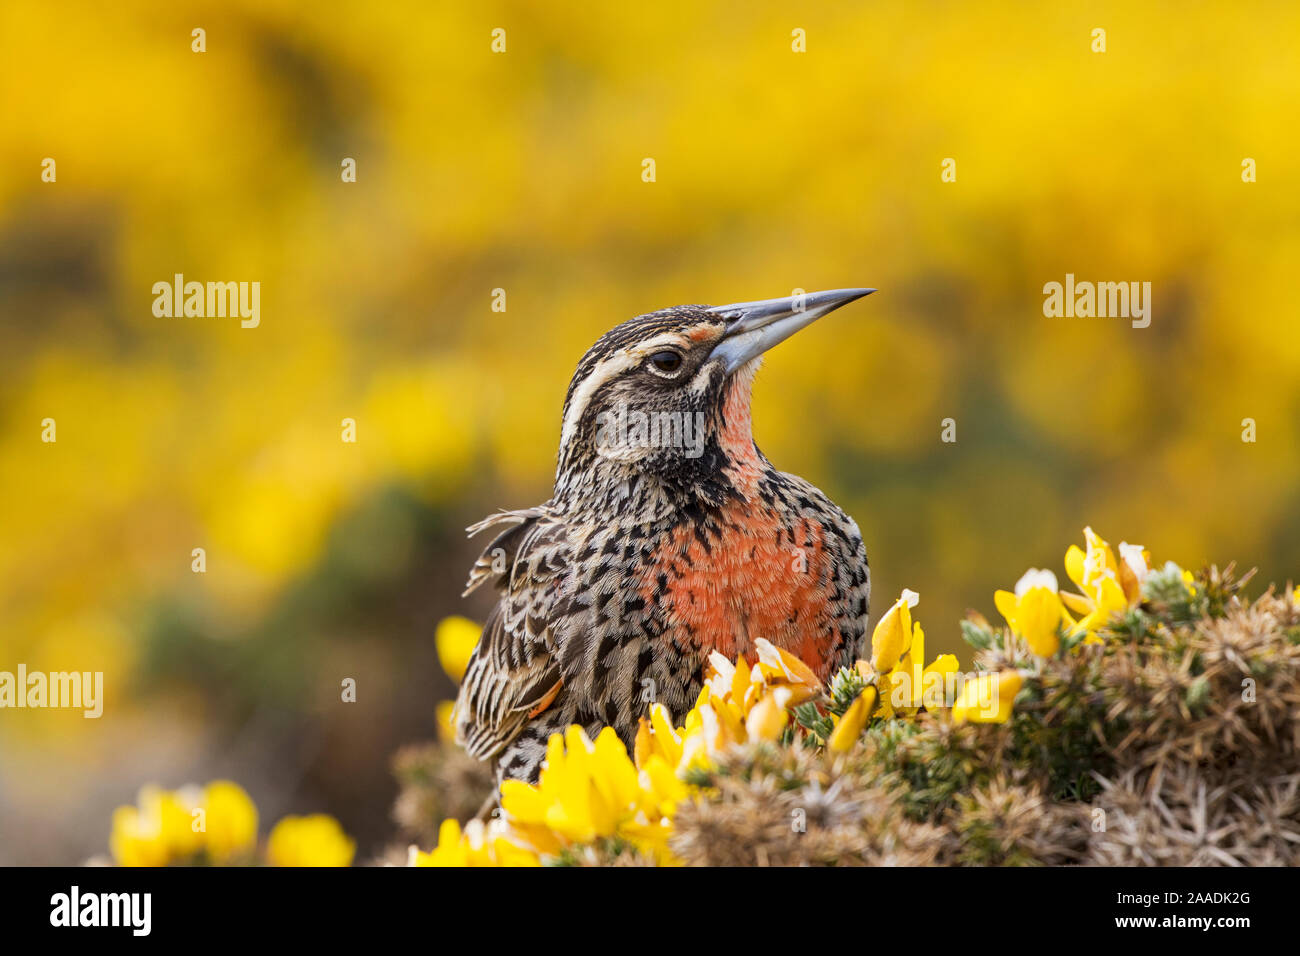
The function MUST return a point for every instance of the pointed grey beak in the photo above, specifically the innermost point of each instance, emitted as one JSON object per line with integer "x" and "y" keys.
{"x": 757, "y": 326}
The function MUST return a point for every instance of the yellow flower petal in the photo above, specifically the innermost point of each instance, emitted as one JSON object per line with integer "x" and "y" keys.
{"x": 523, "y": 802}
{"x": 643, "y": 746}
{"x": 893, "y": 633}
{"x": 1006, "y": 603}
{"x": 1038, "y": 619}
{"x": 1077, "y": 603}
{"x": 614, "y": 774}
{"x": 794, "y": 669}
{"x": 667, "y": 742}
{"x": 663, "y": 783}
{"x": 1074, "y": 566}
{"x": 315, "y": 840}
{"x": 230, "y": 820}
{"x": 740, "y": 680}
{"x": 455, "y": 639}
{"x": 850, "y": 726}
{"x": 934, "y": 681}
{"x": 988, "y": 698}
{"x": 442, "y": 716}
{"x": 767, "y": 719}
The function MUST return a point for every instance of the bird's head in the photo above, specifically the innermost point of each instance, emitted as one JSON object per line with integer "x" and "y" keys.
{"x": 664, "y": 398}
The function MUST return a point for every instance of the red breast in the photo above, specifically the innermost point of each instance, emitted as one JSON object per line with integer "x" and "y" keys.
{"x": 760, "y": 575}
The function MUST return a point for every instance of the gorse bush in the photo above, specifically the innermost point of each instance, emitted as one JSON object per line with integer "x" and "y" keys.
{"x": 1146, "y": 718}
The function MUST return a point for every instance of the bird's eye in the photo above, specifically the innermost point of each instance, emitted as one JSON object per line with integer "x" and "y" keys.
{"x": 666, "y": 362}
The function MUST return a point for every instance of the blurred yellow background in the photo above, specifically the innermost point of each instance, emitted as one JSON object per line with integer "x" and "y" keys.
{"x": 522, "y": 171}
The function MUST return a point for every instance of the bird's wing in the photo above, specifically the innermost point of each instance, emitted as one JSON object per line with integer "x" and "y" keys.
{"x": 514, "y": 671}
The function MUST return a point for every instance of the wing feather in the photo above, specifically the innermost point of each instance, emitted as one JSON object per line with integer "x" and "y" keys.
{"x": 514, "y": 671}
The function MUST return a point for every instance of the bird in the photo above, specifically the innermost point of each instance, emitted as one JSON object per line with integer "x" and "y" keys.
{"x": 668, "y": 536}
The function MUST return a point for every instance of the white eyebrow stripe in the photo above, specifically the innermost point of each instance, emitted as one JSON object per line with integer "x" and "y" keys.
{"x": 606, "y": 369}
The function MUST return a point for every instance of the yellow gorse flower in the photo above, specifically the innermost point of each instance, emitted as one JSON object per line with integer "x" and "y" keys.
{"x": 230, "y": 820}
{"x": 478, "y": 845}
{"x": 738, "y": 704}
{"x": 182, "y": 826}
{"x": 849, "y": 727}
{"x": 315, "y": 840}
{"x": 894, "y": 632}
{"x": 592, "y": 790}
{"x": 1107, "y": 584}
{"x": 589, "y": 790}
{"x": 897, "y": 670}
{"x": 157, "y": 831}
{"x": 1034, "y": 611}
{"x": 455, "y": 638}
{"x": 988, "y": 698}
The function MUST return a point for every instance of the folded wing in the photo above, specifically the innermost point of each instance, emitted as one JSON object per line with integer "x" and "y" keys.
{"x": 514, "y": 671}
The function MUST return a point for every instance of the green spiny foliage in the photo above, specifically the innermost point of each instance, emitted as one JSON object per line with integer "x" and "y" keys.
{"x": 1167, "y": 594}
{"x": 935, "y": 762}
{"x": 844, "y": 689}
{"x": 977, "y": 632}
{"x": 817, "y": 726}
{"x": 1058, "y": 726}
